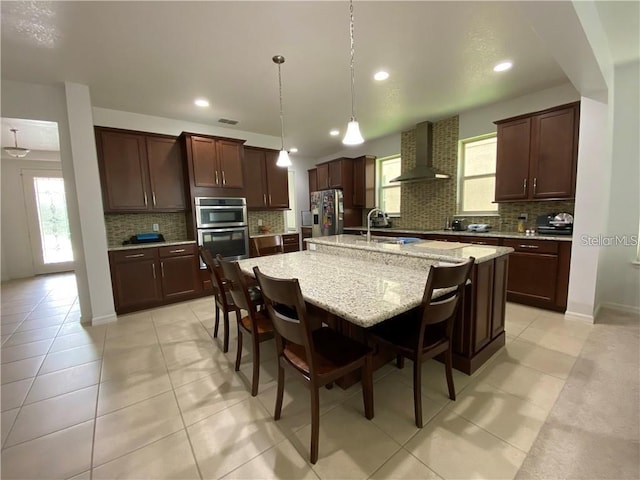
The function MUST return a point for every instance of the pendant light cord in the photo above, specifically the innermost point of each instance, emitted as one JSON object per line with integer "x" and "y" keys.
{"x": 353, "y": 77}
{"x": 281, "y": 113}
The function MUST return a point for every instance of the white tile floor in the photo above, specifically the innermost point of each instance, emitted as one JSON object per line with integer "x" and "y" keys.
{"x": 153, "y": 396}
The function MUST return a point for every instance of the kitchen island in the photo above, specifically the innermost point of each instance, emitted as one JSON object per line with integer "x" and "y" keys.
{"x": 479, "y": 329}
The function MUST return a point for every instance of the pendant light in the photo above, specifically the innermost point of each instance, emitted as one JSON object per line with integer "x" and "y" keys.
{"x": 353, "y": 135}
{"x": 283, "y": 157}
{"x": 16, "y": 151}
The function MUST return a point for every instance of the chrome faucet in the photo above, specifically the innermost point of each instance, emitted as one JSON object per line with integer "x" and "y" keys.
{"x": 376, "y": 209}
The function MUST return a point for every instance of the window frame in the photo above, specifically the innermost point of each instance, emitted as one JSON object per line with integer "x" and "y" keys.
{"x": 462, "y": 177}
{"x": 380, "y": 187}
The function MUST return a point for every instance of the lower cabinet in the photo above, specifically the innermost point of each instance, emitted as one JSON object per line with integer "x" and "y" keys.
{"x": 306, "y": 233}
{"x": 148, "y": 277}
{"x": 291, "y": 242}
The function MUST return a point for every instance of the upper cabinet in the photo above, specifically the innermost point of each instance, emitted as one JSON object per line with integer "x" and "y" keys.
{"x": 139, "y": 172}
{"x": 364, "y": 181}
{"x": 267, "y": 185}
{"x": 214, "y": 163}
{"x": 537, "y": 155}
{"x": 313, "y": 180}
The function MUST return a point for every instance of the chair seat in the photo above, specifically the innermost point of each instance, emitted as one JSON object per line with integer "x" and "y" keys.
{"x": 401, "y": 332}
{"x": 263, "y": 323}
{"x": 333, "y": 351}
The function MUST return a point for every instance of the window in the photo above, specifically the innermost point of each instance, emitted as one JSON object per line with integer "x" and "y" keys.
{"x": 388, "y": 194}
{"x": 477, "y": 175}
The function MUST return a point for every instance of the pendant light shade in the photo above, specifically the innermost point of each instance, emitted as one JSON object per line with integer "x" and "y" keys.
{"x": 16, "y": 151}
{"x": 353, "y": 135}
{"x": 283, "y": 157}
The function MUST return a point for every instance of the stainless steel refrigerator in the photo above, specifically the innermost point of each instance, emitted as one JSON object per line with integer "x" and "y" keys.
{"x": 327, "y": 212}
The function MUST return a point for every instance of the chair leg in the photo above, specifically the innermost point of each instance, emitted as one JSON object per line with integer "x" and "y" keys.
{"x": 400, "y": 361}
{"x": 449, "y": 373}
{"x": 239, "y": 352}
{"x": 256, "y": 365}
{"x": 417, "y": 391}
{"x": 367, "y": 387}
{"x": 215, "y": 326}
{"x": 225, "y": 343}
{"x": 315, "y": 422}
{"x": 280, "y": 392}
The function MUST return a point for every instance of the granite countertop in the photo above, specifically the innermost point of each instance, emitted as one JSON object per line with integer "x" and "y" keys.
{"x": 495, "y": 234}
{"x": 150, "y": 245}
{"x": 421, "y": 249}
{"x": 362, "y": 292}
{"x": 272, "y": 234}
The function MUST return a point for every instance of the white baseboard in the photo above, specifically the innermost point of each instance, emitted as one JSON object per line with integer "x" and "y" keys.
{"x": 101, "y": 320}
{"x": 579, "y": 316}
{"x": 620, "y": 307}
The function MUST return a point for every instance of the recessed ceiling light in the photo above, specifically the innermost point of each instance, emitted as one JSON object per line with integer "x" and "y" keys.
{"x": 381, "y": 75}
{"x": 503, "y": 67}
{"x": 293, "y": 150}
{"x": 334, "y": 133}
{"x": 201, "y": 102}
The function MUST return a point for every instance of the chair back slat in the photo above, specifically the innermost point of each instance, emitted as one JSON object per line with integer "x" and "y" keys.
{"x": 286, "y": 308}
{"x": 237, "y": 284}
{"x": 270, "y": 245}
{"x": 217, "y": 276}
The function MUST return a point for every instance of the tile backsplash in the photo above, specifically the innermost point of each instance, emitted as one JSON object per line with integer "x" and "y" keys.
{"x": 121, "y": 226}
{"x": 426, "y": 205}
{"x": 274, "y": 220}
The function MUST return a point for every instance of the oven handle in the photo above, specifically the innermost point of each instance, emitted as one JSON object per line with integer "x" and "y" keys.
{"x": 229, "y": 229}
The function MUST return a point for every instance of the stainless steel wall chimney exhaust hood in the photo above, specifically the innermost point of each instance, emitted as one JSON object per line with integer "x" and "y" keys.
{"x": 424, "y": 157}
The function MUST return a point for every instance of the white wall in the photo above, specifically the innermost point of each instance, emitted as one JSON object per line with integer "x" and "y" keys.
{"x": 17, "y": 259}
{"x": 618, "y": 278}
{"x": 591, "y": 208}
{"x": 479, "y": 121}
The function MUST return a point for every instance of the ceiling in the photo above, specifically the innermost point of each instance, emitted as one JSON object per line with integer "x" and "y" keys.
{"x": 155, "y": 58}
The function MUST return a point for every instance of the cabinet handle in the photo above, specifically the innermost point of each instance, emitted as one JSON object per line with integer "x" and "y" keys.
{"x": 179, "y": 250}
{"x": 162, "y": 268}
{"x": 153, "y": 266}
{"x": 224, "y": 180}
{"x": 269, "y": 199}
{"x": 135, "y": 255}
{"x": 264, "y": 198}
{"x": 153, "y": 198}
{"x": 529, "y": 246}
{"x": 524, "y": 186}
{"x": 480, "y": 243}
{"x": 535, "y": 184}
{"x": 145, "y": 199}
{"x": 217, "y": 182}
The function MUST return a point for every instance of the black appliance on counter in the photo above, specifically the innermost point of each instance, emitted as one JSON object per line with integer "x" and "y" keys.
{"x": 140, "y": 238}
{"x": 554, "y": 224}
{"x": 459, "y": 225}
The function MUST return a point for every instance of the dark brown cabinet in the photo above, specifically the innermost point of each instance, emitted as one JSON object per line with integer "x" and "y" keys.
{"x": 322, "y": 176}
{"x": 290, "y": 242}
{"x": 364, "y": 181}
{"x": 313, "y": 180}
{"x": 306, "y": 233}
{"x": 267, "y": 185}
{"x": 537, "y": 155}
{"x": 139, "y": 172}
{"x": 215, "y": 164}
{"x": 148, "y": 277}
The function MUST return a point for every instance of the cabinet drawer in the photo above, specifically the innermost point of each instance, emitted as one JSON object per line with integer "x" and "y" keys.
{"x": 135, "y": 254}
{"x": 177, "y": 250}
{"x": 290, "y": 239}
{"x": 480, "y": 240}
{"x": 531, "y": 246}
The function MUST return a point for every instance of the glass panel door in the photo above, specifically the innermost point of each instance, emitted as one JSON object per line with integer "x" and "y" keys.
{"x": 48, "y": 221}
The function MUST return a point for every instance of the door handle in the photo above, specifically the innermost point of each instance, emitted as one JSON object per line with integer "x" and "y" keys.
{"x": 224, "y": 180}
{"x": 137, "y": 255}
{"x": 535, "y": 184}
{"x": 145, "y": 199}
{"x": 179, "y": 250}
{"x": 264, "y": 198}
{"x": 529, "y": 246}
{"x": 524, "y": 187}
{"x": 269, "y": 199}
{"x": 153, "y": 266}
{"x": 153, "y": 198}
{"x": 217, "y": 182}
{"x": 162, "y": 268}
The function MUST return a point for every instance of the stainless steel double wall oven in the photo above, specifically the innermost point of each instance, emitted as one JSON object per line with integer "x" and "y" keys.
{"x": 222, "y": 226}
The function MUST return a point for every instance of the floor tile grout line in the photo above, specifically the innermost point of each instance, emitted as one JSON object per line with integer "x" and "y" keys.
{"x": 175, "y": 397}
{"x": 95, "y": 412}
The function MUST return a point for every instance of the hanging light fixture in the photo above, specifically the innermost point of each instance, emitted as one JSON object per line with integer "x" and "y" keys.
{"x": 353, "y": 135}
{"x": 283, "y": 157}
{"x": 16, "y": 151}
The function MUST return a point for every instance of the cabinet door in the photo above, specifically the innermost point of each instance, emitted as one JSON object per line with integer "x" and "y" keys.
{"x": 123, "y": 167}
{"x": 277, "y": 182}
{"x": 554, "y": 152}
{"x": 359, "y": 182}
{"x": 482, "y": 278}
{"x": 178, "y": 276}
{"x": 533, "y": 276}
{"x": 230, "y": 163}
{"x": 512, "y": 160}
{"x": 256, "y": 178}
{"x": 204, "y": 162}
{"x": 335, "y": 174}
{"x": 322, "y": 172}
{"x": 166, "y": 174}
{"x": 313, "y": 180}
{"x": 291, "y": 242}
{"x": 135, "y": 284}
